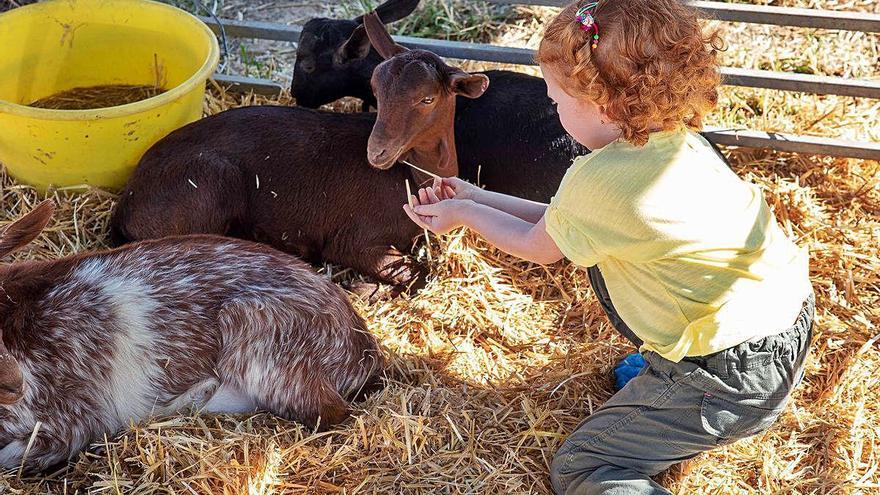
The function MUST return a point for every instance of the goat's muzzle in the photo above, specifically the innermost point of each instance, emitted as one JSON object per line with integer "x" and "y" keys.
{"x": 11, "y": 381}
{"x": 380, "y": 154}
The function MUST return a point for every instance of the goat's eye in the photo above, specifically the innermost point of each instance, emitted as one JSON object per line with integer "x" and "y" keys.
{"x": 428, "y": 100}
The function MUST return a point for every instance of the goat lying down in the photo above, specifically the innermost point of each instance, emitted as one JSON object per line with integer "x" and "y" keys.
{"x": 509, "y": 140}
{"x": 94, "y": 341}
{"x": 299, "y": 179}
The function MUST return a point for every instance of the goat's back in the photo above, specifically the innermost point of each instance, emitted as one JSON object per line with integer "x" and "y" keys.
{"x": 291, "y": 177}
{"x": 511, "y": 136}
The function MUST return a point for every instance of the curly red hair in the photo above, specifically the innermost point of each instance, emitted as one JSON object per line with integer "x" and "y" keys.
{"x": 653, "y": 66}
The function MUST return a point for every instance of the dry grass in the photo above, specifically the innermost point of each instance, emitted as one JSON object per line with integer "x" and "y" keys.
{"x": 753, "y": 46}
{"x": 98, "y": 97}
{"x": 496, "y": 360}
{"x": 808, "y": 51}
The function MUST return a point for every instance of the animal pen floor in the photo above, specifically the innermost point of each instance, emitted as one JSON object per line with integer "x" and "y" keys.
{"x": 497, "y": 360}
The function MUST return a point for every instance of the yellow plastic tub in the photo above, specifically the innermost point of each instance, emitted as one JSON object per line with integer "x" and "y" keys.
{"x": 55, "y": 46}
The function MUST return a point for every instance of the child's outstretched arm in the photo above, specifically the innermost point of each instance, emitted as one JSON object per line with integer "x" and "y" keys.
{"x": 507, "y": 232}
{"x": 453, "y": 187}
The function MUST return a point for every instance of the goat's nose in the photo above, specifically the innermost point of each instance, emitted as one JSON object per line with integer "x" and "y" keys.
{"x": 379, "y": 154}
{"x": 11, "y": 380}
{"x": 307, "y": 65}
{"x": 381, "y": 157}
{"x": 14, "y": 388}
{"x": 11, "y": 389}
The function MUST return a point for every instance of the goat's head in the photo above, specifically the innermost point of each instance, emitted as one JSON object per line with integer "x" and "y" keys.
{"x": 415, "y": 91}
{"x": 334, "y": 57}
{"x": 17, "y": 235}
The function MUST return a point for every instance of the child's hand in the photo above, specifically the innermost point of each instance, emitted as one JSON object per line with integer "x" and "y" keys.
{"x": 438, "y": 215}
{"x": 453, "y": 187}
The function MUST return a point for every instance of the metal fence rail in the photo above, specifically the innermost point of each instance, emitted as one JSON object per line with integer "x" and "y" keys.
{"x": 854, "y": 21}
{"x": 762, "y": 14}
{"x": 794, "y": 143}
{"x": 522, "y": 56}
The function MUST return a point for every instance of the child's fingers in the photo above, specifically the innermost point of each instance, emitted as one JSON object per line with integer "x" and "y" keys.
{"x": 450, "y": 192}
{"x": 437, "y": 186}
{"x": 414, "y": 217}
{"x": 410, "y": 213}
{"x": 427, "y": 210}
{"x": 432, "y": 196}
{"x": 423, "y": 196}
{"x": 414, "y": 200}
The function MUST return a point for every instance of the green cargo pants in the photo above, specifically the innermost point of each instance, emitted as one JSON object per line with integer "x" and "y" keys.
{"x": 671, "y": 412}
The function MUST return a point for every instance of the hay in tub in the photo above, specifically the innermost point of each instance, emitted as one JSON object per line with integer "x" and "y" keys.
{"x": 90, "y": 97}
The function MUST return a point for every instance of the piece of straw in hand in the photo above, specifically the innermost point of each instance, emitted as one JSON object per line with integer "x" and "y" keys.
{"x": 409, "y": 200}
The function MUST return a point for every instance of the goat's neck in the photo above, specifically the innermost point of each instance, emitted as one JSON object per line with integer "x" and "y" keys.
{"x": 10, "y": 288}
{"x": 436, "y": 152}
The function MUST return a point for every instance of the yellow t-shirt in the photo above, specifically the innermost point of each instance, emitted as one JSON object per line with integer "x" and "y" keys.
{"x": 692, "y": 256}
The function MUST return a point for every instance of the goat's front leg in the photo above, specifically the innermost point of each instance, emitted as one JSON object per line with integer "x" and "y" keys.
{"x": 10, "y": 456}
{"x": 194, "y": 398}
{"x": 389, "y": 266}
{"x": 46, "y": 451}
{"x": 400, "y": 270}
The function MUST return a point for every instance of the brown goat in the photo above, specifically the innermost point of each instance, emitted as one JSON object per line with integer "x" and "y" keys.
{"x": 294, "y": 178}
{"x": 92, "y": 342}
{"x": 509, "y": 140}
{"x": 415, "y": 91}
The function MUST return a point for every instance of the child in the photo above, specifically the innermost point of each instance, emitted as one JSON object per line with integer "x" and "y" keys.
{"x": 685, "y": 257}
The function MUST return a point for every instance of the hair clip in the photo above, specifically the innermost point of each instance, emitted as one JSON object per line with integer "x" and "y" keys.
{"x": 584, "y": 16}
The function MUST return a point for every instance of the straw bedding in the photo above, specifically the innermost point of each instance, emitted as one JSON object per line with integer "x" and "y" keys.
{"x": 496, "y": 360}
{"x": 104, "y": 96}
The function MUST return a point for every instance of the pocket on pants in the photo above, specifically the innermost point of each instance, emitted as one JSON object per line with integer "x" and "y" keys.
{"x": 730, "y": 421}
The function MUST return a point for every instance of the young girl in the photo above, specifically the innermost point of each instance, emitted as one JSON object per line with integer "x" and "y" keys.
{"x": 685, "y": 257}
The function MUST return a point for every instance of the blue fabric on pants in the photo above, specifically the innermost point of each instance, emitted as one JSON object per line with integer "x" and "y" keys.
{"x": 627, "y": 369}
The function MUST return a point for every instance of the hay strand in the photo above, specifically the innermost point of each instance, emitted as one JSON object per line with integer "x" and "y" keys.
{"x": 29, "y": 446}
{"x": 409, "y": 200}
{"x": 430, "y": 174}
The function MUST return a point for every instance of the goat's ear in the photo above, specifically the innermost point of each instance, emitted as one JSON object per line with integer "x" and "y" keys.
{"x": 380, "y": 38}
{"x": 393, "y": 10}
{"x": 21, "y": 232}
{"x": 356, "y": 47}
{"x": 469, "y": 85}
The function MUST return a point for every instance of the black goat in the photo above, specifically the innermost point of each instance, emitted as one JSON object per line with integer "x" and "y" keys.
{"x": 510, "y": 140}
{"x": 323, "y": 56}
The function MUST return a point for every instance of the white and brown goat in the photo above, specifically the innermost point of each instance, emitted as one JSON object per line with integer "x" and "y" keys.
{"x": 94, "y": 341}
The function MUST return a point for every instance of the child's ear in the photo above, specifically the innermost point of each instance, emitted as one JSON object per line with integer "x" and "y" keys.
{"x": 603, "y": 114}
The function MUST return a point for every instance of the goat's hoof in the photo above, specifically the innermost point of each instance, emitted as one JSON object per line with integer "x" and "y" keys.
{"x": 373, "y": 292}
